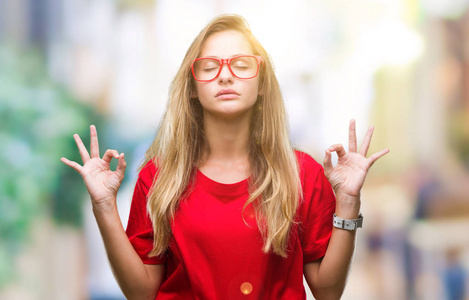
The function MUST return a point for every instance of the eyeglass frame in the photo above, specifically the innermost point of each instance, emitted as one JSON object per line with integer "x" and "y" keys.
{"x": 227, "y": 61}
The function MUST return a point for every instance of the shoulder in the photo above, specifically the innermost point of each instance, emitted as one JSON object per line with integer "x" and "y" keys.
{"x": 148, "y": 173}
{"x": 308, "y": 166}
{"x": 317, "y": 191}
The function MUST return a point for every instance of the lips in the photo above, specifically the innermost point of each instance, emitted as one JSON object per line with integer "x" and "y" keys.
{"x": 227, "y": 92}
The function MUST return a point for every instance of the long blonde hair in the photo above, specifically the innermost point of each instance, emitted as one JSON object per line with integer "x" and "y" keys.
{"x": 274, "y": 186}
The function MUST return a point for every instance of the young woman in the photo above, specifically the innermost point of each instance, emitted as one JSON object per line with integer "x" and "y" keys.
{"x": 224, "y": 208}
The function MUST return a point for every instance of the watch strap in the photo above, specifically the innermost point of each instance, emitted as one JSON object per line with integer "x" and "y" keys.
{"x": 347, "y": 224}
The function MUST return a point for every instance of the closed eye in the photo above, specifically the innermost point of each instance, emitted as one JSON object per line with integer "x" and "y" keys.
{"x": 210, "y": 69}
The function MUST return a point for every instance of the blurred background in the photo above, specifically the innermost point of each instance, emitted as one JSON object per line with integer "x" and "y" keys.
{"x": 400, "y": 65}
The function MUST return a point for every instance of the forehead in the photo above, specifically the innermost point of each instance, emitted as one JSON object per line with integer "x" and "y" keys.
{"x": 225, "y": 44}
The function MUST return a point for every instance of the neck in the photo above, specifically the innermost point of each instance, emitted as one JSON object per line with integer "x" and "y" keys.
{"x": 226, "y": 139}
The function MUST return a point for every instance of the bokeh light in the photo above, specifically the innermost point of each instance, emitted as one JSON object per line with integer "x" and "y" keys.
{"x": 400, "y": 65}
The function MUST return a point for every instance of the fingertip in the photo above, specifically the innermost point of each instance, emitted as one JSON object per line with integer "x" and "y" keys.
{"x": 122, "y": 162}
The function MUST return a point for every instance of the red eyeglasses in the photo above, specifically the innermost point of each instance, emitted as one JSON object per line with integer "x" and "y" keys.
{"x": 206, "y": 69}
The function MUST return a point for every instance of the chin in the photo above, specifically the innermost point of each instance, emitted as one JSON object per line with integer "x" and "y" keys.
{"x": 230, "y": 112}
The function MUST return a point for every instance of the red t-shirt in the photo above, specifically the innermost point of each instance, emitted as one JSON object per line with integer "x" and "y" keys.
{"x": 215, "y": 255}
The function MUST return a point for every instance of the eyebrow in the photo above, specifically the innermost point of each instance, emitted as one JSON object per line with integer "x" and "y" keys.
{"x": 214, "y": 56}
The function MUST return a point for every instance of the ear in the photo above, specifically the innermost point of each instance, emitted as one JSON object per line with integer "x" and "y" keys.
{"x": 260, "y": 92}
{"x": 194, "y": 93}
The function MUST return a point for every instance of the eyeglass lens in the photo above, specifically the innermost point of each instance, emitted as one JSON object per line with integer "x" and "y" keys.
{"x": 242, "y": 67}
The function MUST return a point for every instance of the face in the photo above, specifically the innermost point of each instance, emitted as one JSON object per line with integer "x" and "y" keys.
{"x": 242, "y": 93}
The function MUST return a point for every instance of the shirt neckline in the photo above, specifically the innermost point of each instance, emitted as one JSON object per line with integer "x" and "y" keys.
{"x": 222, "y": 189}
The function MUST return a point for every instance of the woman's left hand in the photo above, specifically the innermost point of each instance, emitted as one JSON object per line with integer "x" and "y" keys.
{"x": 348, "y": 176}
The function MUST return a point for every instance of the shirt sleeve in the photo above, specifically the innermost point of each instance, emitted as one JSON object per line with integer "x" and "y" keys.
{"x": 139, "y": 227}
{"x": 316, "y": 213}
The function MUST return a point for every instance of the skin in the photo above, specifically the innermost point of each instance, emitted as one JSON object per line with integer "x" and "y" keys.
{"x": 326, "y": 277}
{"x": 136, "y": 280}
{"x": 226, "y": 124}
{"x": 227, "y": 44}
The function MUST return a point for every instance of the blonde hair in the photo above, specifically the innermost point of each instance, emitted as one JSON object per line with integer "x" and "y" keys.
{"x": 274, "y": 186}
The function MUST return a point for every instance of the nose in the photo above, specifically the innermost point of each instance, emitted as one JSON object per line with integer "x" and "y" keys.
{"x": 225, "y": 74}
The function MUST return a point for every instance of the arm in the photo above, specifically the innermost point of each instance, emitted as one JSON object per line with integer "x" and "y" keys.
{"x": 327, "y": 277}
{"x": 137, "y": 280}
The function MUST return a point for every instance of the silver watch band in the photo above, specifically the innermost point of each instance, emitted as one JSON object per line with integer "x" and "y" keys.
{"x": 348, "y": 224}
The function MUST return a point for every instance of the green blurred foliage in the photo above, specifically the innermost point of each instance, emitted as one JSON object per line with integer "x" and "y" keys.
{"x": 37, "y": 121}
{"x": 135, "y": 4}
{"x": 459, "y": 135}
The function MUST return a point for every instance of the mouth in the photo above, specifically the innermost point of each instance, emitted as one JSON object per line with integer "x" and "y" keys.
{"x": 227, "y": 94}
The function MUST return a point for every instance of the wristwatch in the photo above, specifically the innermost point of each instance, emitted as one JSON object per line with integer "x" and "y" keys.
{"x": 348, "y": 224}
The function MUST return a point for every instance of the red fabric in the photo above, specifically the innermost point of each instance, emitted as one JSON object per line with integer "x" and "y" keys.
{"x": 213, "y": 252}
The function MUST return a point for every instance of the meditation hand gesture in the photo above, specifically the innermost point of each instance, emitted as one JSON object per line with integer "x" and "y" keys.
{"x": 102, "y": 183}
{"x": 348, "y": 176}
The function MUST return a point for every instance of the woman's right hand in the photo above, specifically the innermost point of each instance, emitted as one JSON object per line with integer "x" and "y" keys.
{"x": 102, "y": 183}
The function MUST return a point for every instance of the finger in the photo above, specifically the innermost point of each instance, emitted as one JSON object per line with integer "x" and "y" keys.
{"x": 109, "y": 154}
{"x": 377, "y": 155}
{"x": 339, "y": 149}
{"x": 327, "y": 163}
{"x": 366, "y": 141}
{"x": 94, "y": 145}
{"x": 352, "y": 137}
{"x": 85, "y": 156}
{"x": 71, "y": 164}
{"x": 121, "y": 166}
